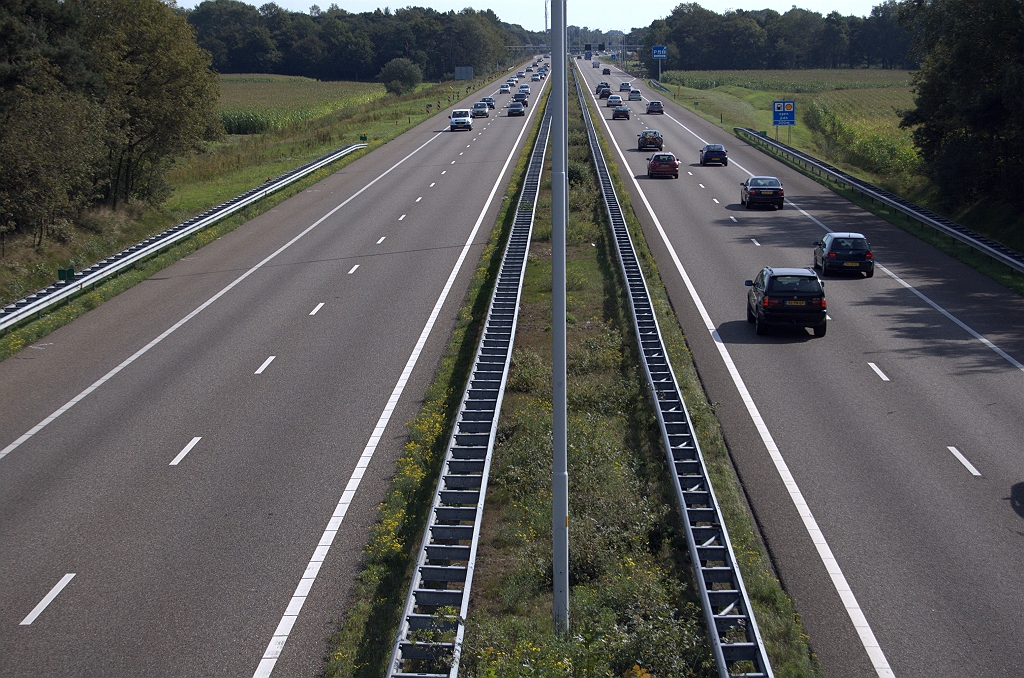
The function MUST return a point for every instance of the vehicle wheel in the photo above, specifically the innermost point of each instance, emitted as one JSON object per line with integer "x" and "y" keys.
{"x": 745, "y": 204}
{"x": 750, "y": 315}
{"x": 759, "y": 325}
{"x": 824, "y": 269}
{"x": 701, "y": 161}
{"x": 871, "y": 272}
{"x": 725, "y": 163}
{"x": 814, "y": 264}
{"x": 675, "y": 176}
{"x": 779, "y": 206}
{"x": 649, "y": 174}
{"x": 819, "y": 331}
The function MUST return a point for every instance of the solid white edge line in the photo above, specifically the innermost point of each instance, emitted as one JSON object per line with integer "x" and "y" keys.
{"x": 860, "y": 622}
{"x": 319, "y": 306}
{"x": 878, "y": 371}
{"x": 963, "y": 460}
{"x": 186, "y": 450}
{"x": 265, "y": 365}
{"x": 166, "y": 333}
{"x": 353, "y": 269}
{"x": 284, "y": 627}
{"x": 47, "y": 599}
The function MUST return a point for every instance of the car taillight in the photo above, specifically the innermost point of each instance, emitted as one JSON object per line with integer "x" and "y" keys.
{"x": 831, "y": 255}
{"x": 768, "y": 301}
{"x": 781, "y": 193}
{"x": 869, "y": 255}
{"x": 818, "y": 301}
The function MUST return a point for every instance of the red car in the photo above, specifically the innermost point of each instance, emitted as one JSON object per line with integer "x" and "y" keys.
{"x": 663, "y": 164}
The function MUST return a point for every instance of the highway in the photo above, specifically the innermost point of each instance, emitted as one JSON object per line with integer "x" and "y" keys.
{"x": 188, "y": 472}
{"x": 898, "y": 434}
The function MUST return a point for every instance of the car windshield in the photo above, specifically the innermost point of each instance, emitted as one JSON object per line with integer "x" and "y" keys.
{"x": 786, "y": 284}
{"x": 460, "y": 114}
{"x": 765, "y": 182}
{"x": 482, "y": 104}
{"x": 850, "y": 244}
{"x": 716, "y": 147}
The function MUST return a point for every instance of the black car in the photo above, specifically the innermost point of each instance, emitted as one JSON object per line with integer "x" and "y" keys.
{"x": 597, "y": 90}
{"x": 762, "y": 191}
{"x": 650, "y": 138}
{"x": 786, "y": 297}
{"x": 522, "y": 97}
{"x": 620, "y": 112}
{"x": 606, "y": 71}
{"x": 655, "y": 107}
{"x": 604, "y": 93}
{"x": 714, "y": 153}
{"x": 489, "y": 101}
{"x": 844, "y": 252}
{"x": 516, "y": 108}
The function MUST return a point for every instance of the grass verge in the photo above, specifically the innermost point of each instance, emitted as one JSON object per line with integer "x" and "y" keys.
{"x": 633, "y": 604}
{"x": 362, "y": 644}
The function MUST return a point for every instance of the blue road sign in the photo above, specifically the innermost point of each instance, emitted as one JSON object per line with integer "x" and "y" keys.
{"x": 783, "y": 113}
{"x": 660, "y": 51}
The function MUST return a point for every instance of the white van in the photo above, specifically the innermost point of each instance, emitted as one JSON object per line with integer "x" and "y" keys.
{"x": 461, "y": 118}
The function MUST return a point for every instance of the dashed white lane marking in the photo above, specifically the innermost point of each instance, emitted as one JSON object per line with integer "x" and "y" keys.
{"x": 266, "y": 363}
{"x": 353, "y": 269}
{"x": 38, "y": 609}
{"x": 321, "y": 304}
{"x": 199, "y": 309}
{"x": 431, "y": 185}
{"x": 453, "y": 162}
{"x": 878, "y": 371}
{"x": 690, "y": 173}
{"x": 716, "y": 201}
{"x": 419, "y": 198}
{"x": 460, "y": 153}
{"x": 401, "y": 217}
{"x": 754, "y": 240}
{"x": 291, "y": 613}
{"x": 192, "y": 443}
{"x": 446, "y": 171}
{"x": 701, "y": 185}
{"x": 963, "y": 460}
{"x": 467, "y": 146}
{"x": 734, "y": 219}
{"x": 828, "y": 559}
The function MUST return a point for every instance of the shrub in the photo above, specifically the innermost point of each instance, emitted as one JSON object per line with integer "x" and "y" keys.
{"x": 400, "y": 76}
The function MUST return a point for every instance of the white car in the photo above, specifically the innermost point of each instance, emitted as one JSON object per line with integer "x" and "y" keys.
{"x": 504, "y": 89}
{"x": 614, "y": 100}
{"x": 634, "y": 95}
{"x": 461, "y": 118}
{"x": 525, "y": 88}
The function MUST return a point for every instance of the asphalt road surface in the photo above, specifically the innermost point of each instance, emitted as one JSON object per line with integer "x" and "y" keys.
{"x": 192, "y": 512}
{"x": 901, "y": 429}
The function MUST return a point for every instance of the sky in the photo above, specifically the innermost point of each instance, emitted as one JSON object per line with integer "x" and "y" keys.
{"x": 605, "y": 15}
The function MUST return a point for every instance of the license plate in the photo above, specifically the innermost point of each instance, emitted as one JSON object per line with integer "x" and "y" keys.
{"x": 796, "y": 303}
{"x": 851, "y": 263}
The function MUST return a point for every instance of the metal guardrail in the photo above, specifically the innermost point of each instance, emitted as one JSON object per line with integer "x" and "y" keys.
{"x": 429, "y": 640}
{"x": 735, "y": 638}
{"x": 61, "y": 290}
{"x": 995, "y": 250}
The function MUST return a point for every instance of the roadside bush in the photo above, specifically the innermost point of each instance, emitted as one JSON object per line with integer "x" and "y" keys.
{"x": 400, "y": 76}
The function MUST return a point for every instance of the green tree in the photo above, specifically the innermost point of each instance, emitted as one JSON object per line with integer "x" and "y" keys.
{"x": 400, "y": 76}
{"x": 158, "y": 90}
{"x": 969, "y": 95}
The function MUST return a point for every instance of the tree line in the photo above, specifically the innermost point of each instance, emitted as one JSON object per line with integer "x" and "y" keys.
{"x": 334, "y": 44}
{"x": 96, "y": 99}
{"x": 700, "y": 40}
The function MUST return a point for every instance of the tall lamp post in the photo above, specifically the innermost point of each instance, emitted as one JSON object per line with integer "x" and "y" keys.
{"x": 559, "y": 216}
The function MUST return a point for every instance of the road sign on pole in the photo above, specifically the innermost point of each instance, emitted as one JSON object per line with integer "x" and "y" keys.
{"x": 783, "y": 113}
{"x": 659, "y": 52}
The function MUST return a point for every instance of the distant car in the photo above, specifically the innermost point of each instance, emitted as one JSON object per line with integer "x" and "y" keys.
{"x": 762, "y": 191}
{"x": 614, "y": 100}
{"x": 597, "y": 90}
{"x": 489, "y": 101}
{"x": 522, "y": 97}
{"x": 461, "y": 118}
{"x": 525, "y": 88}
{"x": 714, "y": 153}
{"x": 480, "y": 110}
{"x": 844, "y": 252}
{"x": 543, "y": 74}
{"x": 529, "y": 69}
{"x": 604, "y": 93}
{"x": 663, "y": 164}
{"x": 787, "y": 297}
{"x": 520, "y": 74}
{"x": 650, "y": 138}
{"x": 535, "y": 77}
{"x": 620, "y": 112}
{"x": 504, "y": 89}
{"x": 516, "y": 108}
{"x": 606, "y": 71}
{"x": 634, "y": 95}
{"x": 597, "y": 64}
{"x": 625, "y": 87}
{"x": 655, "y": 107}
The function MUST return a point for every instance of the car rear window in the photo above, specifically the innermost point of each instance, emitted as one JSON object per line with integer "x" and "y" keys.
{"x": 768, "y": 183}
{"x": 853, "y": 244}
{"x": 665, "y": 158}
{"x": 716, "y": 147}
{"x": 788, "y": 284}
